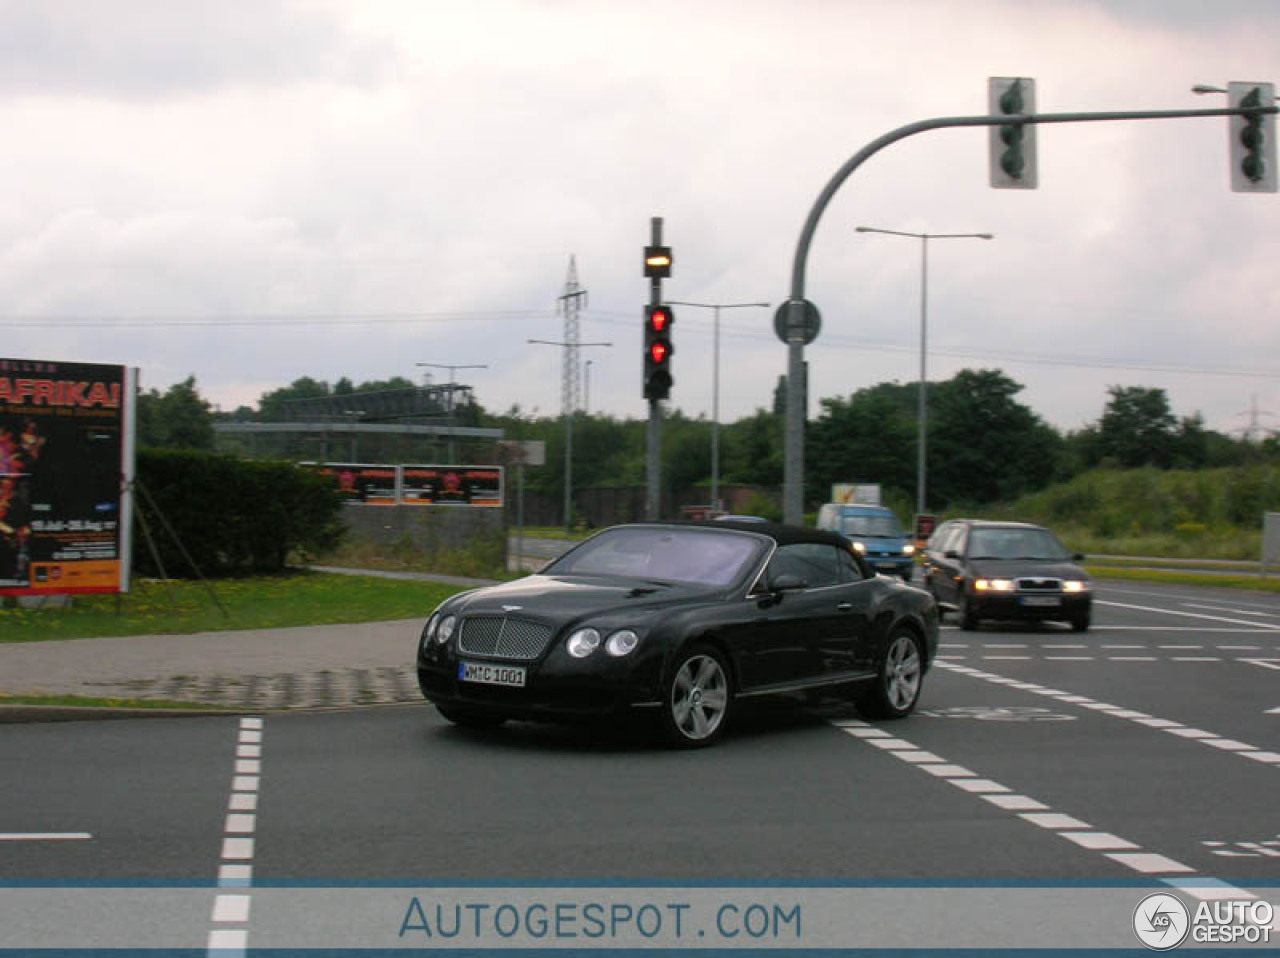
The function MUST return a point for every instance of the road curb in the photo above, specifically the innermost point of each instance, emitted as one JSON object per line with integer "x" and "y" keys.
{"x": 28, "y": 714}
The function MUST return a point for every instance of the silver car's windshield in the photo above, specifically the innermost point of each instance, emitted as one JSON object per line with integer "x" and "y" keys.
{"x": 885, "y": 526}
{"x": 702, "y": 556}
{"x": 1015, "y": 544}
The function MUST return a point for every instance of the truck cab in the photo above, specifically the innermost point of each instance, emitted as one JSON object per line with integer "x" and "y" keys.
{"x": 874, "y": 532}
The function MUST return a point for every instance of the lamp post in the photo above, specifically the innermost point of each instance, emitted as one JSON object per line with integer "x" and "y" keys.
{"x": 922, "y": 414}
{"x": 568, "y": 435}
{"x": 715, "y": 389}
{"x": 452, "y": 369}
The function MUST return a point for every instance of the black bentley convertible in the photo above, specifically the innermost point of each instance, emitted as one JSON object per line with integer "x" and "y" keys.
{"x": 681, "y": 621}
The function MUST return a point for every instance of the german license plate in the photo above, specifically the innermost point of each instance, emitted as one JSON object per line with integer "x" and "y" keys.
{"x": 491, "y": 674}
{"x": 1041, "y": 600}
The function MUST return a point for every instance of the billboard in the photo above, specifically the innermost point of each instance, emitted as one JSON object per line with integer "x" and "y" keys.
{"x": 359, "y": 482}
{"x": 66, "y": 460}
{"x": 387, "y": 485}
{"x": 452, "y": 485}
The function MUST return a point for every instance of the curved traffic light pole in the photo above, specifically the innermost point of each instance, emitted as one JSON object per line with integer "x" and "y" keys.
{"x": 793, "y": 466}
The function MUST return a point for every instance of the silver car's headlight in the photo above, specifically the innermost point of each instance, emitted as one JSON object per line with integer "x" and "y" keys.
{"x": 445, "y": 630}
{"x": 622, "y": 642}
{"x": 583, "y": 642}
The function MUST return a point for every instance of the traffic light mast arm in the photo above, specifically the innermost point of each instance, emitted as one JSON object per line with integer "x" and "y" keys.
{"x": 945, "y": 122}
{"x": 793, "y": 460}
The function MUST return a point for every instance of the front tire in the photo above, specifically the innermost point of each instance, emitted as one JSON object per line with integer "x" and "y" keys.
{"x": 968, "y": 616}
{"x": 697, "y": 698}
{"x": 1080, "y": 623}
{"x": 899, "y": 680}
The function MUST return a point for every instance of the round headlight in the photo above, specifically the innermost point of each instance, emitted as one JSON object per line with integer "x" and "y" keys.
{"x": 621, "y": 643}
{"x": 583, "y": 642}
{"x": 445, "y": 631}
{"x": 429, "y": 632}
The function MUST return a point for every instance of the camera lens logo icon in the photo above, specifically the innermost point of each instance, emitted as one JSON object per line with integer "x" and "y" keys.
{"x": 1161, "y": 921}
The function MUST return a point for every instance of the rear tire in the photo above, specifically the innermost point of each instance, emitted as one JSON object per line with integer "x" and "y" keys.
{"x": 899, "y": 680}
{"x": 466, "y": 718}
{"x": 697, "y": 698}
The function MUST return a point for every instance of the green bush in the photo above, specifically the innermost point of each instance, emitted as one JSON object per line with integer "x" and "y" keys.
{"x": 229, "y": 516}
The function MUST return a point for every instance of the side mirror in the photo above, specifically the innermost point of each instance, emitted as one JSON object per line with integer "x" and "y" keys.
{"x": 787, "y": 583}
{"x": 1078, "y": 557}
{"x": 951, "y": 554}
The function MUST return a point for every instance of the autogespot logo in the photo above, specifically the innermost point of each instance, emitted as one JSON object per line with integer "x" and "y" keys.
{"x": 1161, "y": 921}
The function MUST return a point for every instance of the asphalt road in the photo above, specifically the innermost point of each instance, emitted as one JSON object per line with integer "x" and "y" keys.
{"x": 1149, "y": 747}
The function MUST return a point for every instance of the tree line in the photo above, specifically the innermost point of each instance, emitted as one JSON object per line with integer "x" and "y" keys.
{"x": 984, "y": 445}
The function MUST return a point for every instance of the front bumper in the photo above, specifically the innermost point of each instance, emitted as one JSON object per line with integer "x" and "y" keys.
{"x": 1058, "y": 607}
{"x": 557, "y": 687}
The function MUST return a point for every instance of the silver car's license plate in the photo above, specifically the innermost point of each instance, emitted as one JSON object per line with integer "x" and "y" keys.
{"x": 1041, "y": 600}
{"x": 491, "y": 674}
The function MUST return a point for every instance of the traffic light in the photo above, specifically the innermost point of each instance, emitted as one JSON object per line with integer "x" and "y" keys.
{"x": 1013, "y": 145}
{"x": 1253, "y": 139}
{"x": 657, "y": 262}
{"x": 657, "y": 352}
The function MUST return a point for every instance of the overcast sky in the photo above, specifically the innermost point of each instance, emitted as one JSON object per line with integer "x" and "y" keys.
{"x": 250, "y": 192}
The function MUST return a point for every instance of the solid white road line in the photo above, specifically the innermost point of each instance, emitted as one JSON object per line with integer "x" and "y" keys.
{"x": 45, "y": 836}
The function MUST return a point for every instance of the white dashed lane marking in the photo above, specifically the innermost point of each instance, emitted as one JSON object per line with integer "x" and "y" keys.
{"x": 229, "y": 937}
{"x": 1174, "y": 728}
{"x": 1035, "y": 812}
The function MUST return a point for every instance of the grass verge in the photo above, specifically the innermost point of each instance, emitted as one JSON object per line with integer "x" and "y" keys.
{"x": 157, "y": 608}
{"x": 1176, "y": 577}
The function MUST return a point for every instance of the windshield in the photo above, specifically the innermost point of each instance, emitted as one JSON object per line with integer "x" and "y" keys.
{"x": 706, "y": 557}
{"x": 885, "y": 526}
{"x": 1015, "y": 544}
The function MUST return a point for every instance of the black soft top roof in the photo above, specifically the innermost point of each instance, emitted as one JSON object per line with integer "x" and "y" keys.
{"x": 782, "y": 534}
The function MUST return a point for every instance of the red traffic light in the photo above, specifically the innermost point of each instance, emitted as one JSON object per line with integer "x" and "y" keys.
{"x": 659, "y": 319}
{"x": 658, "y": 352}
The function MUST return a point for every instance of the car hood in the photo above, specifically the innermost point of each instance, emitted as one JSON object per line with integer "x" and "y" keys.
{"x": 564, "y": 598}
{"x": 1026, "y": 568}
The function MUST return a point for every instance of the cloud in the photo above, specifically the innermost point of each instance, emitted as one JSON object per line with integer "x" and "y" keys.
{"x": 159, "y": 48}
{"x": 348, "y": 189}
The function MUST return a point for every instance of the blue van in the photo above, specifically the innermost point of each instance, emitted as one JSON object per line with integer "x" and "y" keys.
{"x": 875, "y": 533}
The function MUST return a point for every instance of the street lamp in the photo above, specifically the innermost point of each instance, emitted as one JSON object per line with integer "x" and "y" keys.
{"x": 568, "y": 435}
{"x": 452, "y": 382}
{"x": 715, "y": 390}
{"x": 921, "y": 414}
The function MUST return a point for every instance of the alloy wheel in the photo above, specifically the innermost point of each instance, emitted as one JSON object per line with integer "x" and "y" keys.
{"x": 699, "y": 697}
{"x": 902, "y": 673}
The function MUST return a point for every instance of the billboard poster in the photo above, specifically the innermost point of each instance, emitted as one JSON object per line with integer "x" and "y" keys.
{"x": 452, "y": 485}
{"x": 371, "y": 485}
{"x": 66, "y": 461}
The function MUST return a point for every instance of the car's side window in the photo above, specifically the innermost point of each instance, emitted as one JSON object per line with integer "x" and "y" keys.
{"x": 938, "y": 541}
{"x": 815, "y": 563}
{"x": 849, "y": 568}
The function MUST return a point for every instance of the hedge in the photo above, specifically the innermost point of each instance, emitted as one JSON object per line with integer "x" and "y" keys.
{"x": 231, "y": 516}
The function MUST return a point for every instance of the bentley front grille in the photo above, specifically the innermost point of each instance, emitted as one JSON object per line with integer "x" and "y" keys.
{"x": 503, "y": 637}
